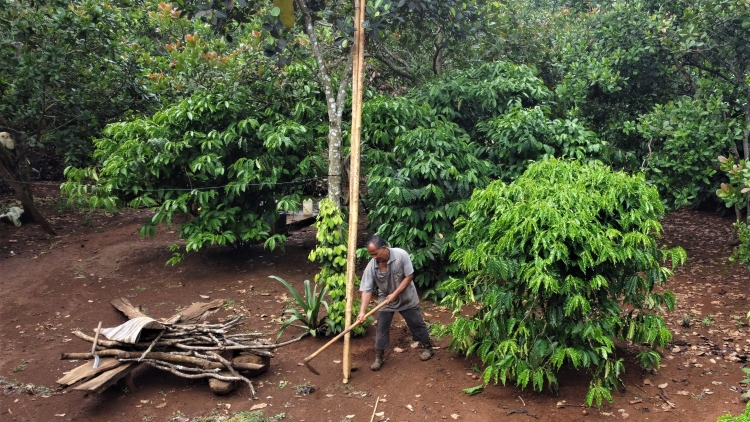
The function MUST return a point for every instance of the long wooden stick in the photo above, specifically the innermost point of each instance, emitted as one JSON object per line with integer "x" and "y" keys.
{"x": 356, "y": 131}
{"x": 162, "y": 356}
{"x": 372, "y": 418}
{"x": 338, "y": 337}
{"x": 93, "y": 345}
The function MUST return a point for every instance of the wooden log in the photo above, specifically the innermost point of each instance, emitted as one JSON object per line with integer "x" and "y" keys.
{"x": 106, "y": 379}
{"x": 166, "y": 357}
{"x": 142, "y": 345}
{"x": 123, "y": 305}
{"x": 87, "y": 371}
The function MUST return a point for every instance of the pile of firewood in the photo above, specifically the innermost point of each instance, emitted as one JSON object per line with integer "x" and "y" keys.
{"x": 180, "y": 345}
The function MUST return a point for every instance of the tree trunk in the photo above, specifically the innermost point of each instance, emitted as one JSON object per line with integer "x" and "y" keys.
{"x": 745, "y": 136}
{"x": 334, "y": 101}
{"x": 334, "y": 160}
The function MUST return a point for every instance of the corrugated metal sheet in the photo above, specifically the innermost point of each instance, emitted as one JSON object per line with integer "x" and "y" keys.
{"x": 130, "y": 331}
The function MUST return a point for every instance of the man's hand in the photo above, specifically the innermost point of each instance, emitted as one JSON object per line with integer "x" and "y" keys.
{"x": 391, "y": 298}
{"x": 361, "y": 317}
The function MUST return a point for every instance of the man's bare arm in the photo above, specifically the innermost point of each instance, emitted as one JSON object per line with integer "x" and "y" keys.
{"x": 366, "y": 296}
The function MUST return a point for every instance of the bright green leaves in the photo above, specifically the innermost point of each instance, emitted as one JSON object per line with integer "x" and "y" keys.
{"x": 685, "y": 137}
{"x": 420, "y": 189}
{"x": 550, "y": 259}
{"x": 308, "y": 308}
{"x": 230, "y": 168}
{"x": 331, "y": 252}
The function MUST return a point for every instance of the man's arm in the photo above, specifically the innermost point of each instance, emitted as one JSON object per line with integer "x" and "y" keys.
{"x": 401, "y": 287}
{"x": 366, "y": 296}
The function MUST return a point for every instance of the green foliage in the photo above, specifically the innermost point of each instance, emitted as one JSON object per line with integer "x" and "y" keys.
{"x": 707, "y": 321}
{"x": 309, "y": 312}
{"x": 331, "y": 252}
{"x": 522, "y": 134}
{"x": 473, "y": 390}
{"x": 68, "y": 70}
{"x": 684, "y": 138}
{"x": 736, "y": 194}
{"x": 745, "y": 417}
{"x": 421, "y": 190}
{"x": 467, "y": 97}
{"x": 562, "y": 262}
{"x": 213, "y": 157}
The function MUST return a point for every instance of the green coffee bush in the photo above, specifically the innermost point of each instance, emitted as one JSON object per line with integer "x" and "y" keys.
{"x": 562, "y": 263}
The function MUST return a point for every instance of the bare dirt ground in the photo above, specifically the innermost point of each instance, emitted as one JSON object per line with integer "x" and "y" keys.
{"x": 50, "y": 286}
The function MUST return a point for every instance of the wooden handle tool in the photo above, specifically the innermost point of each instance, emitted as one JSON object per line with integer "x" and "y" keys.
{"x": 339, "y": 336}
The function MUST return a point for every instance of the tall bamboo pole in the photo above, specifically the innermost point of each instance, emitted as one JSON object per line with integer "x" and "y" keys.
{"x": 351, "y": 251}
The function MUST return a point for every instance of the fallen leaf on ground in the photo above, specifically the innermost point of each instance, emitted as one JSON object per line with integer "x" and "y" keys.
{"x": 454, "y": 416}
{"x": 682, "y": 393}
{"x": 408, "y": 406}
{"x": 398, "y": 350}
{"x": 160, "y": 405}
{"x": 259, "y": 406}
{"x": 663, "y": 385}
{"x": 647, "y": 382}
{"x": 205, "y": 297}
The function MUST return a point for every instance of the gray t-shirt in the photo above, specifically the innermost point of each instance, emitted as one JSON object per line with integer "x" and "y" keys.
{"x": 399, "y": 267}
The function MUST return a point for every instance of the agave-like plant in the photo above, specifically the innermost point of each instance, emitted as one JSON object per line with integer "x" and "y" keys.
{"x": 310, "y": 304}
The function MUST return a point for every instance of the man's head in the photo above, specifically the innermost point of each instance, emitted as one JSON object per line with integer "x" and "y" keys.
{"x": 377, "y": 248}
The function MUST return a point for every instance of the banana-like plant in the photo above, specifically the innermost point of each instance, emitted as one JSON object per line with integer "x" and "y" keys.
{"x": 310, "y": 304}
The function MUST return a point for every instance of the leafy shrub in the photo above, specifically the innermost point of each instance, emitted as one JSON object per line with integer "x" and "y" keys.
{"x": 331, "y": 252}
{"x": 745, "y": 417}
{"x": 562, "y": 262}
{"x": 684, "y": 139}
{"x": 226, "y": 167}
{"x": 469, "y": 96}
{"x": 526, "y": 134}
{"x": 309, "y": 308}
{"x": 67, "y": 71}
{"x": 735, "y": 194}
{"x": 385, "y": 118}
{"x": 418, "y": 194}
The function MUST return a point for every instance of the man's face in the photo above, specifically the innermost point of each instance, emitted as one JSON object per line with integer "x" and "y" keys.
{"x": 380, "y": 254}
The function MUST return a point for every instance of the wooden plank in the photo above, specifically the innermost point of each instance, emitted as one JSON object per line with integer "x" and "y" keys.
{"x": 200, "y": 310}
{"x": 106, "y": 379}
{"x": 87, "y": 370}
{"x": 123, "y": 305}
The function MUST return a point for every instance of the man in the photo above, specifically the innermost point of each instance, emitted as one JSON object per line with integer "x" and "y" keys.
{"x": 391, "y": 271}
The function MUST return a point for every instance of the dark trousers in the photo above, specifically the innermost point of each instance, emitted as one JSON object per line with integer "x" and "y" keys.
{"x": 414, "y": 321}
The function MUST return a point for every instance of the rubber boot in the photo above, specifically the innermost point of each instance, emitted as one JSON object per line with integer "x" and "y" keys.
{"x": 428, "y": 351}
{"x": 378, "y": 360}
